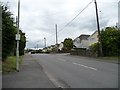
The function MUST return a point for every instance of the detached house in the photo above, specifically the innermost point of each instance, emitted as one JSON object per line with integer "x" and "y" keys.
{"x": 82, "y": 44}
{"x": 84, "y": 41}
{"x": 60, "y": 47}
{"x": 93, "y": 38}
{"x": 81, "y": 41}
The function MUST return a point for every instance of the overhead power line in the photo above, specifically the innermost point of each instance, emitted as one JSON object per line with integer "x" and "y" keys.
{"x": 76, "y": 16}
{"x": 72, "y": 19}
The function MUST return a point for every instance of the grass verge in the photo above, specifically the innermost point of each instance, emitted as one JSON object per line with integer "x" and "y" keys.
{"x": 10, "y": 64}
{"x": 111, "y": 58}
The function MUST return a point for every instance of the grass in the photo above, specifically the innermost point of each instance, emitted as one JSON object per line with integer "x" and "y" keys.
{"x": 114, "y": 59}
{"x": 10, "y": 64}
{"x": 111, "y": 58}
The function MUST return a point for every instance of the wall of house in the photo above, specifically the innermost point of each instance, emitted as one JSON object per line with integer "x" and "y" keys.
{"x": 76, "y": 42}
{"x": 93, "y": 39}
{"x": 84, "y": 44}
{"x": 60, "y": 46}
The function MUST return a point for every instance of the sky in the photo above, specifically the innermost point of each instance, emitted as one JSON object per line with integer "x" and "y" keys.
{"x": 38, "y": 18}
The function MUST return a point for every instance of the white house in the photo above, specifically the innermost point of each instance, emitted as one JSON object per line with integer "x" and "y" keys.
{"x": 81, "y": 41}
{"x": 84, "y": 44}
{"x": 93, "y": 38}
{"x": 60, "y": 47}
{"x": 76, "y": 42}
{"x": 84, "y": 41}
{"x": 49, "y": 48}
{"x": 44, "y": 50}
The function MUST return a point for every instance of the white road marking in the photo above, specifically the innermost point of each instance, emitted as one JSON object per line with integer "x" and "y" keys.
{"x": 78, "y": 64}
{"x": 62, "y": 59}
{"x": 85, "y": 66}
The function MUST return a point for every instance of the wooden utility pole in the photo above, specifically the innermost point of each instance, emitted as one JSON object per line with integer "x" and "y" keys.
{"x": 44, "y": 42}
{"x": 98, "y": 27}
{"x": 56, "y": 34}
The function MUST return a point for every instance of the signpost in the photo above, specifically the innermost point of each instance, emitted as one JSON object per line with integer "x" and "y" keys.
{"x": 17, "y": 38}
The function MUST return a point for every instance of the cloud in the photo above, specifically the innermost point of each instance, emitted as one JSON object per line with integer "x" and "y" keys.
{"x": 38, "y": 18}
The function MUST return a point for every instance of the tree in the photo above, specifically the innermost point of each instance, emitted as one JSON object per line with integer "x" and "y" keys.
{"x": 110, "y": 41}
{"x": 68, "y": 44}
{"x": 8, "y": 32}
{"x": 110, "y": 37}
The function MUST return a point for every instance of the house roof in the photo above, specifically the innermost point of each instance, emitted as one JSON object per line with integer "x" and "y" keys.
{"x": 84, "y": 36}
{"x": 93, "y": 34}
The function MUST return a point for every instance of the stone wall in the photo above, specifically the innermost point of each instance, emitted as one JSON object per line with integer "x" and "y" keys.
{"x": 83, "y": 52}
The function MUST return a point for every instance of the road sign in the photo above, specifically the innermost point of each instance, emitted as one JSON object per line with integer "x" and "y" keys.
{"x": 17, "y": 37}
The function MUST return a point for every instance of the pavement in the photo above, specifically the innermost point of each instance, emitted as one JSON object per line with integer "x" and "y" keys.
{"x": 31, "y": 75}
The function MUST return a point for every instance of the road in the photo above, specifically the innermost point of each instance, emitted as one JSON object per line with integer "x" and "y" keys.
{"x": 78, "y": 72}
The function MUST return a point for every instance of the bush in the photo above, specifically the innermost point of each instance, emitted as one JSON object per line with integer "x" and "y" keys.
{"x": 111, "y": 41}
{"x": 94, "y": 49}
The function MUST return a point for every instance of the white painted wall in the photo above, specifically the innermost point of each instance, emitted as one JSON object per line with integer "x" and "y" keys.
{"x": 76, "y": 42}
{"x": 82, "y": 44}
{"x": 93, "y": 38}
{"x": 60, "y": 46}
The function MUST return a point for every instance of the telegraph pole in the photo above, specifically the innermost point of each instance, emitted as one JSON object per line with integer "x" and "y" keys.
{"x": 56, "y": 34}
{"x": 45, "y": 42}
{"x": 37, "y": 46}
{"x": 17, "y": 37}
{"x": 98, "y": 27}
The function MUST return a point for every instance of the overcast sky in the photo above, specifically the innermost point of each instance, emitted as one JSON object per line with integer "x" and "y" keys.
{"x": 38, "y": 18}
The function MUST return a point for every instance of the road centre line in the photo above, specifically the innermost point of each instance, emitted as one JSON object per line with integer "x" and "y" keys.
{"x": 85, "y": 66}
{"x": 79, "y": 64}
